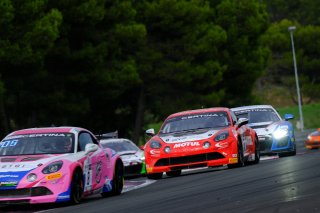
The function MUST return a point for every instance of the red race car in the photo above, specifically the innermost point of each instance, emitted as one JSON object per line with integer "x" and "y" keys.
{"x": 200, "y": 138}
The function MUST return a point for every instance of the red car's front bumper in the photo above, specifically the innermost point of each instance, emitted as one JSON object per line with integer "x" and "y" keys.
{"x": 158, "y": 161}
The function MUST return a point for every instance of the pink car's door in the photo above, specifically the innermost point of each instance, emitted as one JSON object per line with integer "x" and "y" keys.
{"x": 94, "y": 165}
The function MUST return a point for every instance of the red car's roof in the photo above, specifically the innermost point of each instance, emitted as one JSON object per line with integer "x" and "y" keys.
{"x": 197, "y": 111}
{"x": 45, "y": 130}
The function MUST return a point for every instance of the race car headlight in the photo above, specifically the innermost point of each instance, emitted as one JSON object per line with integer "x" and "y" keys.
{"x": 167, "y": 149}
{"x": 221, "y": 136}
{"x": 309, "y": 137}
{"x": 281, "y": 132}
{"x": 53, "y": 167}
{"x": 155, "y": 144}
{"x": 32, "y": 177}
{"x": 206, "y": 145}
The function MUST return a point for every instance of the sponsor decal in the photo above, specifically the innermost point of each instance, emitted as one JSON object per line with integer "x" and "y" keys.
{"x": 10, "y": 166}
{"x": 113, "y": 153}
{"x": 186, "y": 144}
{"x": 87, "y": 174}
{"x": 149, "y": 169}
{"x": 8, "y": 143}
{"x": 64, "y": 197}
{"x": 108, "y": 184}
{"x": 234, "y": 155}
{"x": 9, "y": 176}
{"x": 200, "y": 116}
{"x": 98, "y": 172}
{"x": 253, "y": 110}
{"x": 177, "y": 139}
{"x": 261, "y": 138}
{"x": 225, "y": 154}
{"x": 38, "y": 135}
{"x": 233, "y": 160}
{"x": 154, "y": 152}
{"x": 188, "y": 137}
{"x": 54, "y": 176}
{"x": 8, "y": 183}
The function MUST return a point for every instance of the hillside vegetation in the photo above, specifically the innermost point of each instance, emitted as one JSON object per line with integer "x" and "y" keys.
{"x": 311, "y": 114}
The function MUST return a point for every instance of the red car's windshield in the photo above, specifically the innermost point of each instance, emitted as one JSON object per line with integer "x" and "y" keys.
{"x": 32, "y": 144}
{"x": 196, "y": 121}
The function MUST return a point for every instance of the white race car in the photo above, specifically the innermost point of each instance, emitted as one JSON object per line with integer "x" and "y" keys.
{"x": 275, "y": 134}
{"x": 131, "y": 155}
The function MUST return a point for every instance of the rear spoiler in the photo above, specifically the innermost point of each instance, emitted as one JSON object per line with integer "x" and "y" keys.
{"x": 108, "y": 135}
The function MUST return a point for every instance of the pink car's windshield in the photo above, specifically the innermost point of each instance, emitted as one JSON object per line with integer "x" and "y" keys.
{"x": 214, "y": 120}
{"x": 33, "y": 144}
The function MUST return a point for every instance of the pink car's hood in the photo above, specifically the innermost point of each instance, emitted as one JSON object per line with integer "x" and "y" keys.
{"x": 27, "y": 162}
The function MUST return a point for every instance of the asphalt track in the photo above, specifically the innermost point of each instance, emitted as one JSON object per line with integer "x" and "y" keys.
{"x": 289, "y": 184}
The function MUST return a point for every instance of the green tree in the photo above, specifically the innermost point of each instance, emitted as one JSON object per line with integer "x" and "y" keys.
{"x": 198, "y": 54}
{"x": 28, "y": 30}
{"x": 281, "y": 70}
{"x": 305, "y": 12}
{"x": 244, "y": 55}
{"x": 92, "y": 65}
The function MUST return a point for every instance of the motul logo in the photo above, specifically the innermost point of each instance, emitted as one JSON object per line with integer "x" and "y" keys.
{"x": 186, "y": 144}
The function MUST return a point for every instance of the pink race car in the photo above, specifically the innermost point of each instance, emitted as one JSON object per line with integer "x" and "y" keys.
{"x": 56, "y": 164}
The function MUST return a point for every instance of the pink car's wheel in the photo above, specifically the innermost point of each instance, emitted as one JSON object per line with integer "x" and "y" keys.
{"x": 76, "y": 187}
{"x": 117, "y": 182}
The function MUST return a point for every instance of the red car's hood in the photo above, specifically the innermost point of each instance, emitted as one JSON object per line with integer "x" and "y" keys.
{"x": 183, "y": 137}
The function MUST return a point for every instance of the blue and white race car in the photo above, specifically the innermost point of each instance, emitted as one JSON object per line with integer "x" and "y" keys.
{"x": 275, "y": 135}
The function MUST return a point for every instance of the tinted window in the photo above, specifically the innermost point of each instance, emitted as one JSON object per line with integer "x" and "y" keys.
{"x": 196, "y": 121}
{"x": 84, "y": 139}
{"x": 119, "y": 146}
{"x": 258, "y": 115}
{"x": 30, "y": 144}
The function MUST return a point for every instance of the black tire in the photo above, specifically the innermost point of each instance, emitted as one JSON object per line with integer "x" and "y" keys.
{"x": 292, "y": 153}
{"x": 174, "y": 173}
{"x": 76, "y": 187}
{"x": 117, "y": 182}
{"x": 154, "y": 176}
{"x": 256, "y": 152}
{"x": 240, "y": 157}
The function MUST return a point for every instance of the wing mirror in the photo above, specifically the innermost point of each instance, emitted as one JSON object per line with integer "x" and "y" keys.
{"x": 91, "y": 147}
{"x": 242, "y": 121}
{"x": 150, "y": 132}
{"x": 288, "y": 116}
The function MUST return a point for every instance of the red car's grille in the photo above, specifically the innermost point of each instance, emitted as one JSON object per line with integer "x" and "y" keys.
{"x": 192, "y": 166}
{"x": 29, "y": 192}
{"x": 189, "y": 159}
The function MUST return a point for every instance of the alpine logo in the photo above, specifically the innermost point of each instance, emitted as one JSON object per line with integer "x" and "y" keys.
{"x": 186, "y": 144}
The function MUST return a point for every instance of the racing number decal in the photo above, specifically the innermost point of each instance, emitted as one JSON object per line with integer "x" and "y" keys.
{"x": 98, "y": 171}
{"x": 243, "y": 139}
{"x": 87, "y": 175}
{"x": 8, "y": 143}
